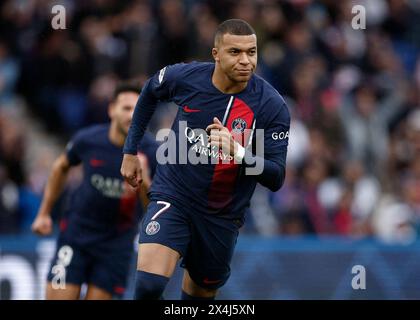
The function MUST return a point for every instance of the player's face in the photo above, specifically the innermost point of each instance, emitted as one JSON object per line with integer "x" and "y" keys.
{"x": 237, "y": 56}
{"x": 122, "y": 109}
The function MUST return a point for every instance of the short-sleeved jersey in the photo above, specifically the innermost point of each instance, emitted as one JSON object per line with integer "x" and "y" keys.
{"x": 103, "y": 207}
{"x": 222, "y": 188}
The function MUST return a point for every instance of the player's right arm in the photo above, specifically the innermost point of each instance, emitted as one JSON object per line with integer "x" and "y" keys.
{"x": 42, "y": 224}
{"x": 71, "y": 157}
{"x": 160, "y": 87}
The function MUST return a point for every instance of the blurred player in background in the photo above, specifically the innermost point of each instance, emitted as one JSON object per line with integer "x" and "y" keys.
{"x": 95, "y": 243}
{"x": 196, "y": 210}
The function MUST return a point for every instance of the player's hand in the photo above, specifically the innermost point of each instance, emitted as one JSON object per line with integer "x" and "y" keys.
{"x": 131, "y": 170}
{"x": 42, "y": 225}
{"x": 221, "y": 137}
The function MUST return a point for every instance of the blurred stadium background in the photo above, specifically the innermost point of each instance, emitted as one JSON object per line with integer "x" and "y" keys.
{"x": 352, "y": 194}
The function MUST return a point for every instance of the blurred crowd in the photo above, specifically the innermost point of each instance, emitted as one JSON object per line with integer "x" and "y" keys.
{"x": 354, "y": 96}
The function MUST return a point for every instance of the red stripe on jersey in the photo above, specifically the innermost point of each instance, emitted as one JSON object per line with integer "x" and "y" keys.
{"x": 119, "y": 289}
{"x": 225, "y": 174}
{"x": 127, "y": 208}
{"x": 63, "y": 225}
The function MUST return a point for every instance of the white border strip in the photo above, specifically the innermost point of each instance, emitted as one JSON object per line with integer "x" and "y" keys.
{"x": 227, "y": 110}
{"x": 252, "y": 133}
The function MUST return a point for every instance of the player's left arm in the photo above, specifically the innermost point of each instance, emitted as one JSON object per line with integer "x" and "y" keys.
{"x": 275, "y": 139}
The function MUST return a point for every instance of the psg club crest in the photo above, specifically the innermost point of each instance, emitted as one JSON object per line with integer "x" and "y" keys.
{"x": 152, "y": 228}
{"x": 238, "y": 125}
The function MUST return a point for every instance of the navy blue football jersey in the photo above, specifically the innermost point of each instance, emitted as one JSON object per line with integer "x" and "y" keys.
{"x": 103, "y": 207}
{"x": 213, "y": 188}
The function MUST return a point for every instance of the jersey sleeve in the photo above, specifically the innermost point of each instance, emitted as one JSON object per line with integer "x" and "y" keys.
{"x": 74, "y": 149}
{"x": 275, "y": 138}
{"x": 161, "y": 87}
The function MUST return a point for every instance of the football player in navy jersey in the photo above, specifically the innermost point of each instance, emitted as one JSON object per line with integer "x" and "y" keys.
{"x": 197, "y": 208}
{"x": 97, "y": 231}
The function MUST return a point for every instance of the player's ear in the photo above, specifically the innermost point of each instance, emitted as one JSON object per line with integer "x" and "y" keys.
{"x": 215, "y": 54}
{"x": 111, "y": 109}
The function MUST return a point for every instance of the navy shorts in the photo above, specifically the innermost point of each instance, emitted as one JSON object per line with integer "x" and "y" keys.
{"x": 205, "y": 242}
{"x": 91, "y": 264}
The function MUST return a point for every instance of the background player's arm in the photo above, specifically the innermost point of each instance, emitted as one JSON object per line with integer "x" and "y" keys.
{"x": 43, "y": 224}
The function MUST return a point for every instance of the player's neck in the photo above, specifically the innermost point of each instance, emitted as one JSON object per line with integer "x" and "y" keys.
{"x": 115, "y": 136}
{"x": 224, "y": 84}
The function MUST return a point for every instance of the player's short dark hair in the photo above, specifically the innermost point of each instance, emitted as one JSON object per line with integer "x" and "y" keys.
{"x": 236, "y": 27}
{"x": 126, "y": 86}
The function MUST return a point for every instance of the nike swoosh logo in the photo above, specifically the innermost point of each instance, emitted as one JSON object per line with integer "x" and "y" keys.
{"x": 207, "y": 281}
{"x": 96, "y": 162}
{"x": 186, "y": 109}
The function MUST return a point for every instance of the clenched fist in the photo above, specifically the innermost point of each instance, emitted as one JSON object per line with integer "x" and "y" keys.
{"x": 42, "y": 225}
{"x": 131, "y": 170}
{"x": 221, "y": 137}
